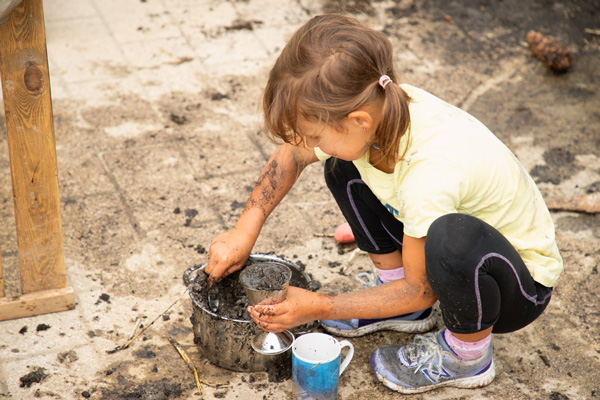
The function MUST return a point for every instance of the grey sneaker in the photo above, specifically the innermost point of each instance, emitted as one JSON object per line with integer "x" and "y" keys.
{"x": 429, "y": 363}
{"x": 420, "y": 321}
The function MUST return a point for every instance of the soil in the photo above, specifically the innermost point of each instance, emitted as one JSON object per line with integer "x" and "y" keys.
{"x": 36, "y": 376}
{"x": 265, "y": 276}
{"x": 227, "y": 297}
{"x": 42, "y": 327}
{"x": 151, "y": 390}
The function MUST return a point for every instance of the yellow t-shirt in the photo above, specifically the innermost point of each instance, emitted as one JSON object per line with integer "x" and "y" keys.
{"x": 454, "y": 164}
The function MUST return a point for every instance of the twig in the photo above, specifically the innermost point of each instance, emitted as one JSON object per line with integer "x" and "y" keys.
{"x": 138, "y": 322}
{"x": 353, "y": 254}
{"x": 323, "y": 234}
{"x": 188, "y": 362}
{"x": 126, "y": 345}
{"x": 315, "y": 366}
{"x": 587, "y": 203}
{"x": 592, "y": 31}
{"x": 192, "y": 366}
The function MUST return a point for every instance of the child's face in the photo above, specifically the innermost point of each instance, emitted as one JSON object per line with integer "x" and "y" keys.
{"x": 349, "y": 144}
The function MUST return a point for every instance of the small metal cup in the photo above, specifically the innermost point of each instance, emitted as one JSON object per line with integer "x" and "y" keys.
{"x": 253, "y": 289}
{"x": 267, "y": 342}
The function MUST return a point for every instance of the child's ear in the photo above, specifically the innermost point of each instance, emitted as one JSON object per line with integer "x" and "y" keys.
{"x": 361, "y": 119}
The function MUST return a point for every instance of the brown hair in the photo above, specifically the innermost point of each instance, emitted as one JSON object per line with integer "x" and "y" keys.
{"x": 330, "y": 67}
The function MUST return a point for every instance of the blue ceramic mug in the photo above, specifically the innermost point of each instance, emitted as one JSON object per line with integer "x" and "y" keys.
{"x": 317, "y": 365}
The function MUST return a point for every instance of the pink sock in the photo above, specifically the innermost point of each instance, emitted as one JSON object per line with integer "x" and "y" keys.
{"x": 387, "y": 275}
{"x": 467, "y": 351}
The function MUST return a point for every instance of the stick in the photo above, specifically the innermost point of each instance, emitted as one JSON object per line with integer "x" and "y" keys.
{"x": 192, "y": 366}
{"x": 353, "y": 254}
{"x": 126, "y": 345}
{"x": 188, "y": 362}
{"x": 587, "y": 203}
{"x": 138, "y": 322}
{"x": 323, "y": 234}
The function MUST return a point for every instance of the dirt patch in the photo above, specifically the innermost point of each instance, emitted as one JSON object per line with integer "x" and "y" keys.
{"x": 162, "y": 389}
{"x": 36, "y": 376}
{"x": 560, "y": 165}
{"x": 103, "y": 298}
{"x": 126, "y": 108}
{"x": 67, "y": 357}
{"x": 146, "y": 352}
{"x": 265, "y": 276}
{"x": 225, "y": 298}
{"x": 42, "y": 327}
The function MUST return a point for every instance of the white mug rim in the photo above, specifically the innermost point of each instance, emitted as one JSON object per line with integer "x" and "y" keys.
{"x": 325, "y": 361}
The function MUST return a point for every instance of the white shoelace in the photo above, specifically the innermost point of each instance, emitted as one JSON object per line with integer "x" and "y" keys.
{"x": 425, "y": 349}
{"x": 368, "y": 279}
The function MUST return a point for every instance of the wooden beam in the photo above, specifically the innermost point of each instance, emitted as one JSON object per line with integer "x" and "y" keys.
{"x": 31, "y": 142}
{"x": 43, "y": 302}
{"x": 1, "y": 280}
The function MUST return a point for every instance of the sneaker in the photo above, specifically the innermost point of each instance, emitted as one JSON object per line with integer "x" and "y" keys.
{"x": 429, "y": 363}
{"x": 420, "y": 321}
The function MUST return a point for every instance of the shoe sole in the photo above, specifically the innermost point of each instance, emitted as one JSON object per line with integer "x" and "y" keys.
{"x": 417, "y": 326}
{"x": 469, "y": 382}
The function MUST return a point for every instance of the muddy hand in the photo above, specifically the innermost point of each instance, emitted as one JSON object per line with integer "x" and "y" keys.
{"x": 227, "y": 253}
{"x": 265, "y": 318}
{"x": 301, "y": 306}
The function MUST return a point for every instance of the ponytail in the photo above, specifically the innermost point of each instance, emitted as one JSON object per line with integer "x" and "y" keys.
{"x": 394, "y": 122}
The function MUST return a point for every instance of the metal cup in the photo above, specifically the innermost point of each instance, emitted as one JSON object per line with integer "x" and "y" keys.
{"x": 257, "y": 289}
{"x": 257, "y": 282}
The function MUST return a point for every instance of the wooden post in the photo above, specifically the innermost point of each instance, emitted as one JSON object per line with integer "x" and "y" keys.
{"x": 30, "y": 131}
{"x": 1, "y": 280}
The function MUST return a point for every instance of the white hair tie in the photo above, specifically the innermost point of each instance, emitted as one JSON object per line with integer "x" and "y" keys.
{"x": 384, "y": 80}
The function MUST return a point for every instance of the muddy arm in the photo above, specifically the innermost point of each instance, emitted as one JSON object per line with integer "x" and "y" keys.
{"x": 277, "y": 178}
{"x": 402, "y": 296}
{"x": 229, "y": 251}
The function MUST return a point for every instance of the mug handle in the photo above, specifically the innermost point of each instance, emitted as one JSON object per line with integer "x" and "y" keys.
{"x": 348, "y": 358}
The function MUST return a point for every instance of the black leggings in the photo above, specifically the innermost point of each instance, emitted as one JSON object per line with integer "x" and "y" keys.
{"x": 478, "y": 277}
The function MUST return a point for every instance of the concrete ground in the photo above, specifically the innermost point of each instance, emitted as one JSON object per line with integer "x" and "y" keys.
{"x": 159, "y": 141}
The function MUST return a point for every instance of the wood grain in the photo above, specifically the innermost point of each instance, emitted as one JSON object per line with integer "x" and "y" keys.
{"x": 1, "y": 280}
{"x": 31, "y": 142}
{"x": 43, "y": 302}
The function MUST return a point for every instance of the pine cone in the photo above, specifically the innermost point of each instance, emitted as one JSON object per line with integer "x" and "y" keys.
{"x": 549, "y": 51}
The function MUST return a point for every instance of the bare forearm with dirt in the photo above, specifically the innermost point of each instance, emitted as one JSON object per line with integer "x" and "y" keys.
{"x": 402, "y": 296}
{"x": 275, "y": 181}
{"x": 229, "y": 251}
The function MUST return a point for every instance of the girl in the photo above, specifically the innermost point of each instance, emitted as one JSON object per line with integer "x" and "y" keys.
{"x": 443, "y": 208}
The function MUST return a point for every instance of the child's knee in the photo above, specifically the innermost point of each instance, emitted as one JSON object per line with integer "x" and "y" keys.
{"x": 447, "y": 244}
